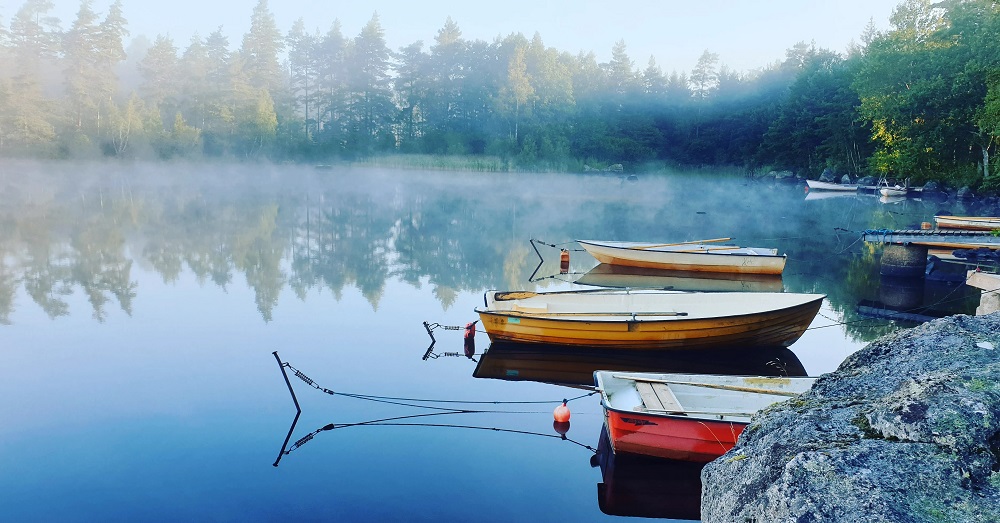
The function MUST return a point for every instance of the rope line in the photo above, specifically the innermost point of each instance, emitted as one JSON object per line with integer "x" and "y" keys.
{"x": 415, "y": 402}
{"x": 393, "y": 422}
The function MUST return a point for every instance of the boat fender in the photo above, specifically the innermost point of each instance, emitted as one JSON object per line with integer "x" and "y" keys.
{"x": 470, "y": 339}
{"x": 563, "y": 261}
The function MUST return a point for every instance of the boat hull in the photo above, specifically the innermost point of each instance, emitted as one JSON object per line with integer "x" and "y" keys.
{"x": 701, "y": 259}
{"x": 673, "y": 437}
{"x": 779, "y": 327}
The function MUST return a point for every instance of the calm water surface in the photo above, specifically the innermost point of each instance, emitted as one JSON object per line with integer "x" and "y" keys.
{"x": 141, "y": 307}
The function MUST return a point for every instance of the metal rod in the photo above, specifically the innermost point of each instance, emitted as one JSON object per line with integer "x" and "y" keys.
{"x": 281, "y": 453}
{"x": 289, "y": 383}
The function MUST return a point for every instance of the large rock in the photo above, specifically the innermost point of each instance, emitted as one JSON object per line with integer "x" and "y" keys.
{"x": 907, "y": 429}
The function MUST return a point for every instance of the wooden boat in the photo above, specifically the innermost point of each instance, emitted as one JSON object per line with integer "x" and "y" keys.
{"x": 816, "y": 185}
{"x": 510, "y": 361}
{"x": 699, "y": 255}
{"x": 648, "y": 319}
{"x": 977, "y": 223}
{"x": 691, "y": 417}
{"x": 621, "y": 276}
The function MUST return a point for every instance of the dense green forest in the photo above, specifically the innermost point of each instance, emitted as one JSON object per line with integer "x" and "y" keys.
{"x": 919, "y": 100}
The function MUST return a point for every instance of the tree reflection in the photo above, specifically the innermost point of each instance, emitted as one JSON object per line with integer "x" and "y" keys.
{"x": 331, "y": 233}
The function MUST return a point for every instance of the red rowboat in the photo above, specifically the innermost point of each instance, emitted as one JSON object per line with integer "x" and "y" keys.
{"x": 690, "y": 417}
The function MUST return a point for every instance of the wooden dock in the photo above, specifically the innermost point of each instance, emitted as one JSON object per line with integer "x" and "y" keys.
{"x": 940, "y": 238}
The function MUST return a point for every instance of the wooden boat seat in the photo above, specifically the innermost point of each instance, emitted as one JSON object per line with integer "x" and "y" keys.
{"x": 658, "y": 396}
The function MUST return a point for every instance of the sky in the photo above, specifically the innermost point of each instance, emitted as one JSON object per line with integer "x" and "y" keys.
{"x": 746, "y": 35}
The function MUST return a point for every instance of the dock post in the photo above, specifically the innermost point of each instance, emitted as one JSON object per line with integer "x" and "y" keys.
{"x": 904, "y": 261}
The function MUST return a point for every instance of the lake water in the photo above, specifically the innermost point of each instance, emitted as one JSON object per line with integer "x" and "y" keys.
{"x": 141, "y": 307}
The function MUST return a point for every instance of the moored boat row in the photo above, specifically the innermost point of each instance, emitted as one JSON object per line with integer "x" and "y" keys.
{"x": 665, "y": 414}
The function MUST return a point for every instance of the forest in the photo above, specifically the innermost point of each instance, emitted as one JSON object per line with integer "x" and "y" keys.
{"x": 920, "y": 100}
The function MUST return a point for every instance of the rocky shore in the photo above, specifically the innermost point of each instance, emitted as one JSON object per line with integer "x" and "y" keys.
{"x": 907, "y": 429}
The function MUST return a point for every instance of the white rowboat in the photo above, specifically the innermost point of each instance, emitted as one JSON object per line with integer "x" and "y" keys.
{"x": 816, "y": 185}
{"x": 699, "y": 256}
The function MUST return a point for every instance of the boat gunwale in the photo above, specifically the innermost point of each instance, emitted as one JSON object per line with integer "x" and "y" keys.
{"x": 626, "y": 318}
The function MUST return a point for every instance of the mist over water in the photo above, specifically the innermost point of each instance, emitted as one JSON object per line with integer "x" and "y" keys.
{"x": 141, "y": 305}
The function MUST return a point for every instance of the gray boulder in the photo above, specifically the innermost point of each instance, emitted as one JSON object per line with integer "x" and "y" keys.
{"x": 965, "y": 193}
{"x": 867, "y": 181}
{"x": 828, "y": 176}
{"x": 907, "y": 429}
{"x": 846, "y": 179}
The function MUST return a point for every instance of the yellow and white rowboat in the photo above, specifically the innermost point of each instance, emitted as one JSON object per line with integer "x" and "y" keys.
{"x": 649, "y": 319}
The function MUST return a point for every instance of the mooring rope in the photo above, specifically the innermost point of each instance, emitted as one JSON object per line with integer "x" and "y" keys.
{"x": 557, "y": 245}
{"x": 393, "y": 422}
{"x": 414, "y": 402}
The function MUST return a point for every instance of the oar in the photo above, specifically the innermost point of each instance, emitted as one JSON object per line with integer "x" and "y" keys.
{"x": 521, "y": 295}
{"x": 702, "y": 412}
{"x": 713, "y": 386}
{"x": 706, "y": 249}
{"x": 680, "y": 243}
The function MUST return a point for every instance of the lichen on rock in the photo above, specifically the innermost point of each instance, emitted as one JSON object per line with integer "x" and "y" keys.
{"x": 907, "y": 429}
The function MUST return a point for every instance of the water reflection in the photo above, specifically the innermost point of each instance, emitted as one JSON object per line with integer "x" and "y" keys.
{"x": 642, "y": 486}
{"x": 575, "y": 366}
{"x": 605, "y": 275}
{"x": 70, "y": 233}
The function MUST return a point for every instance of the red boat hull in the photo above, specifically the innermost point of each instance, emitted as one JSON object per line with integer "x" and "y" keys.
{"x": 683, "y": 438}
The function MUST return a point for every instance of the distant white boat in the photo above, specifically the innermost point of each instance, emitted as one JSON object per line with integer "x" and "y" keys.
{"x": 816, "y": 185}
{"x": 896, "y": 190}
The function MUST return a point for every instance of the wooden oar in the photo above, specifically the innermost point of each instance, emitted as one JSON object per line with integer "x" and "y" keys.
{"x": 713, "y": 386}
{"x": 703, "y": 412}
{"x": 680, "y": 243}
{"x": 521, "y": 295}
{"x": 706, "y": 249}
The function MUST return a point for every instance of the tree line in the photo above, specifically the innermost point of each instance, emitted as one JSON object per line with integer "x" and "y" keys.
{"x": 919, "y": 100}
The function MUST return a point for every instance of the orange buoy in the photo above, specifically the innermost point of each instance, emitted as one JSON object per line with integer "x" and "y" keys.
{"x": 561, "y": 414}
{"x": 925, "y": 225}
{"x": 563, "y": 261}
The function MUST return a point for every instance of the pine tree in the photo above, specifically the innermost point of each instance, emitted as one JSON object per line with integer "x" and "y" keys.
{"x": 260, "y": 50}
{"x": 27, "y": 116}
{"x": 81, "y": 75}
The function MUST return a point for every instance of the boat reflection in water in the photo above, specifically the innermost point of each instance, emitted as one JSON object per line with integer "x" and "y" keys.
{"x": 576, "y": 365}
{"x": 618, "y": 276}
{"x": 643, "y": 486}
